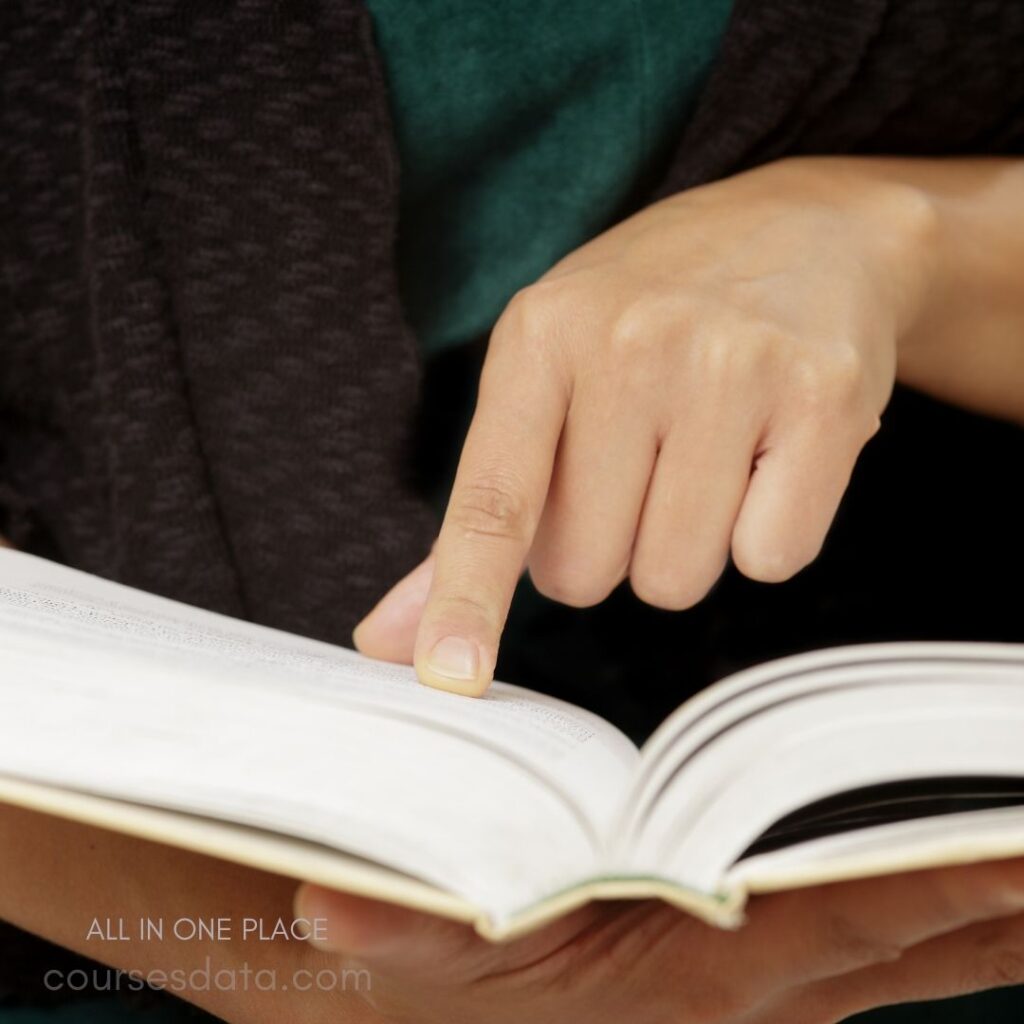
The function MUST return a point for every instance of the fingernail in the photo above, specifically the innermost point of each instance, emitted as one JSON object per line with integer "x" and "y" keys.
{"x": 455, "y": 658}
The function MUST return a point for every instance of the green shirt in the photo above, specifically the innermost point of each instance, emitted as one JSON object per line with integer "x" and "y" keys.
{"x": 524, "y": 129}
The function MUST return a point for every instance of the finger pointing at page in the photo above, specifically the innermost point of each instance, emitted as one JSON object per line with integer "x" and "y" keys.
{"x": 492, "y": 515}
{"x": 707, "y": 387}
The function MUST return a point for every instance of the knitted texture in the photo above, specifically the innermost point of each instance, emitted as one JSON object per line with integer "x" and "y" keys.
{"x": 206, "y": 384}
{"x": 897, "y": 77}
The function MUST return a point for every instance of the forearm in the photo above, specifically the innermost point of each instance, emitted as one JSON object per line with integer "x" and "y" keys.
{"x": 57, "y": 877}
{"x": 965, "y": 343}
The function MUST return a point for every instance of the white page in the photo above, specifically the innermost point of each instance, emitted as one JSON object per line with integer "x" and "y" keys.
{"x": 931, "y": 724}
{"x": 122, "y": 693}
{"x": 736, "y": 697}
{"x": 964, "y": 838}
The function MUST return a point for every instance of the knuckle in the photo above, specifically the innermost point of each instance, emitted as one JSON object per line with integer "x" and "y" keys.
{"x": 522, "y": 310}
{"x": 728, "y": 358}
{"x": 631, "y": 329}
{"x": 657, "y": 596}
{"x": 658, "y": 583}
{"x": 766, "y": 564}
{"x": 460, "y": 607}
{"x": 537, "y": 328}
{"x": 570, "y": 588}
{"x": 666, "y": 590}
{"x": 809, "y": 384}
{"x": 490, "y": 508}
{"x": 831, "y": 380}
{"x": 844, "y": 367}
{"x": 538, "y": 310}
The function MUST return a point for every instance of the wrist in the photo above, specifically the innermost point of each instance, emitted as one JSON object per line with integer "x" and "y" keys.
{"x": 893, "y": 224}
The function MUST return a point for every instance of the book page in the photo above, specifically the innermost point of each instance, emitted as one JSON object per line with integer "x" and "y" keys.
{"x": 869, "y": 717}
{"x": 713, "y": 710}
{"x": 115, "y": 692}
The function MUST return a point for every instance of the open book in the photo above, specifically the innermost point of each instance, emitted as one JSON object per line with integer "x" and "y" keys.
{"x": 143, "y": 715}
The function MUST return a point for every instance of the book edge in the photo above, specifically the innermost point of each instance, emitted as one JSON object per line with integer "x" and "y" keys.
{"x": 263, "y": 850}
{"x": 310, "y": 862}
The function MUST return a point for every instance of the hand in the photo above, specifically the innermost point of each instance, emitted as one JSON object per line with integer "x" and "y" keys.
{"x": 815, "y": 956}
{"x": 698, "y": 380}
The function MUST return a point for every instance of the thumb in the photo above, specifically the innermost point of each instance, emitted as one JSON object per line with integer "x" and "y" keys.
{"x": 383, "y": 935}
{"x": 389, "y": 631}
{"x": 422, "y": 948}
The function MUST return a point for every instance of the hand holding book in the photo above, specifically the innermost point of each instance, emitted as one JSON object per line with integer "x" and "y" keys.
{"x": 815, "y": 956}
{"x": 516, "y": 812}
{"x": 812, "y": 956}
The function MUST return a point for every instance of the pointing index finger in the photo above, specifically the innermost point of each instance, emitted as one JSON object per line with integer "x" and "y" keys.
{"x": 495, "y": 506}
